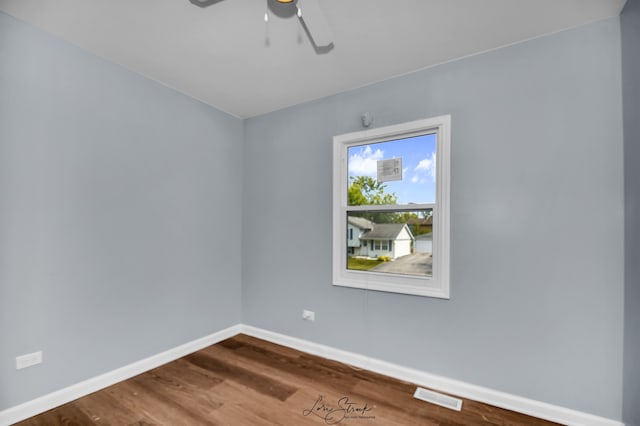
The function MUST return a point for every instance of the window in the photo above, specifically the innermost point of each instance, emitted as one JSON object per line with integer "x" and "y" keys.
{"x": 391, "y": 185}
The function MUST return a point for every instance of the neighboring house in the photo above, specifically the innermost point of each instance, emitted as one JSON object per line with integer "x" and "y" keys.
{"x": 365, "y": 238}
{"x": 424, "y": 243}
{"x": 356, "y": 228}
{"x": 421, "y": 226}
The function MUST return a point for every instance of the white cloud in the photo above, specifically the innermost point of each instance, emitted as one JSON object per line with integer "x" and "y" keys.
{"x": 426, "y": 167}
{"x": 365, "y": 162}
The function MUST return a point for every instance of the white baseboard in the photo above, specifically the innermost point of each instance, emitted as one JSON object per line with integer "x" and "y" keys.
{"x": 421, "y": 378}
{"x": 68, "y": 394}
{"x": 458, "y": 388}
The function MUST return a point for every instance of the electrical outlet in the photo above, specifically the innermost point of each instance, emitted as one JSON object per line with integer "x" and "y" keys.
{"x": 308, "y": 315}
{"x": 24, "y": 361}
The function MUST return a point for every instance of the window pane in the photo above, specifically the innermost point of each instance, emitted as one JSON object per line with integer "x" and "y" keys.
{"x": 390, "y": 242}
{"x": 401, "y": 171}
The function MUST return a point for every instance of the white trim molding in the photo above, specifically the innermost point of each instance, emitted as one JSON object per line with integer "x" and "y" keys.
{"x": 455, "y": 387}
{"x": 68, "y": 394}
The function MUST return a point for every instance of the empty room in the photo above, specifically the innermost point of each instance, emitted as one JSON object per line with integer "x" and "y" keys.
{"x": 311, "y": 212}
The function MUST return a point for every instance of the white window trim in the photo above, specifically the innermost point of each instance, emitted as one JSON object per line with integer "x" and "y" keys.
{"x": 438, "y": 284}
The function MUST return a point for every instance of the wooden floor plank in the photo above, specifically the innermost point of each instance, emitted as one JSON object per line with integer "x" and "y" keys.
{"x": 67, "y": 415}
{"x": 291, "y": 371}
{"x": 104, "y": 410}
{"x": 260, "y": 383}
{"x": 248, "y": 381}
{"x": 194, "y": 404}
{"x": 181, "y": 372}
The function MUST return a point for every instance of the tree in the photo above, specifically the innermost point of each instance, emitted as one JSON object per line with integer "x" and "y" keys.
{"x": 365, "y": 190}
{"x": 404, "y": 217}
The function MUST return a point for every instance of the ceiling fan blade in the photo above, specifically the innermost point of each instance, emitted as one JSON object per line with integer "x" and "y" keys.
{"x": 315, "y": 23}
{"x": 204, "y": 3}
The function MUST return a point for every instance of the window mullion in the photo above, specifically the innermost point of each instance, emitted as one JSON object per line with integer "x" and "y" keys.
{"x": 390, "y": 207}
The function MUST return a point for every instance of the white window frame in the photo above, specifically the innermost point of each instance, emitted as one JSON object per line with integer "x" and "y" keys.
{"x": 436, "y": 285}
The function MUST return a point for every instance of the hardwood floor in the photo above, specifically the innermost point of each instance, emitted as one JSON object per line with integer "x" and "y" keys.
{"x": 247, "y": 381}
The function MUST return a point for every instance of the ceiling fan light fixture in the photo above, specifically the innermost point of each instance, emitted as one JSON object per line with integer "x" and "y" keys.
{"x": 285, "y": 1}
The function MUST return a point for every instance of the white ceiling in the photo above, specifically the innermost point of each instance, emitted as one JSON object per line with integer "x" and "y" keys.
{"x": 219, "y": 55}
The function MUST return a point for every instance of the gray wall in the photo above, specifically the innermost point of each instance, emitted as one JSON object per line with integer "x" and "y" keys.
{"x": 537, "y": 287}
{"x": 120, "y": 229}
{"x": 630, "y": 22}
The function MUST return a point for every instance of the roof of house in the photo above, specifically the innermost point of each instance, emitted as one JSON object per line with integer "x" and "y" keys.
{"x": 427, "y": 236}
{"x": 421, "y": 222}
{"x": 360, "y": 222}
{"x": 385, "y": 231}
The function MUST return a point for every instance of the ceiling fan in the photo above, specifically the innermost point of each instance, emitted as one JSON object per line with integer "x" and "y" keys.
{"x": 308, "y": 12}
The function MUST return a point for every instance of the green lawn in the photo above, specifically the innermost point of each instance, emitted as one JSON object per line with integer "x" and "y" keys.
{"x": 362, "y": 264}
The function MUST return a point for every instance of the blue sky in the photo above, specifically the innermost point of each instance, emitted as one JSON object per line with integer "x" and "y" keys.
{"x": 418, "y": 166}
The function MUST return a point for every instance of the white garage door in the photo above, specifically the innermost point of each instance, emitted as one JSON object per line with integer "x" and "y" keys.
{"x": 424, "y": 246}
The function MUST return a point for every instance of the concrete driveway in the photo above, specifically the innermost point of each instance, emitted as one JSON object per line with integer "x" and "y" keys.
{"x": 412, "y": 264}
